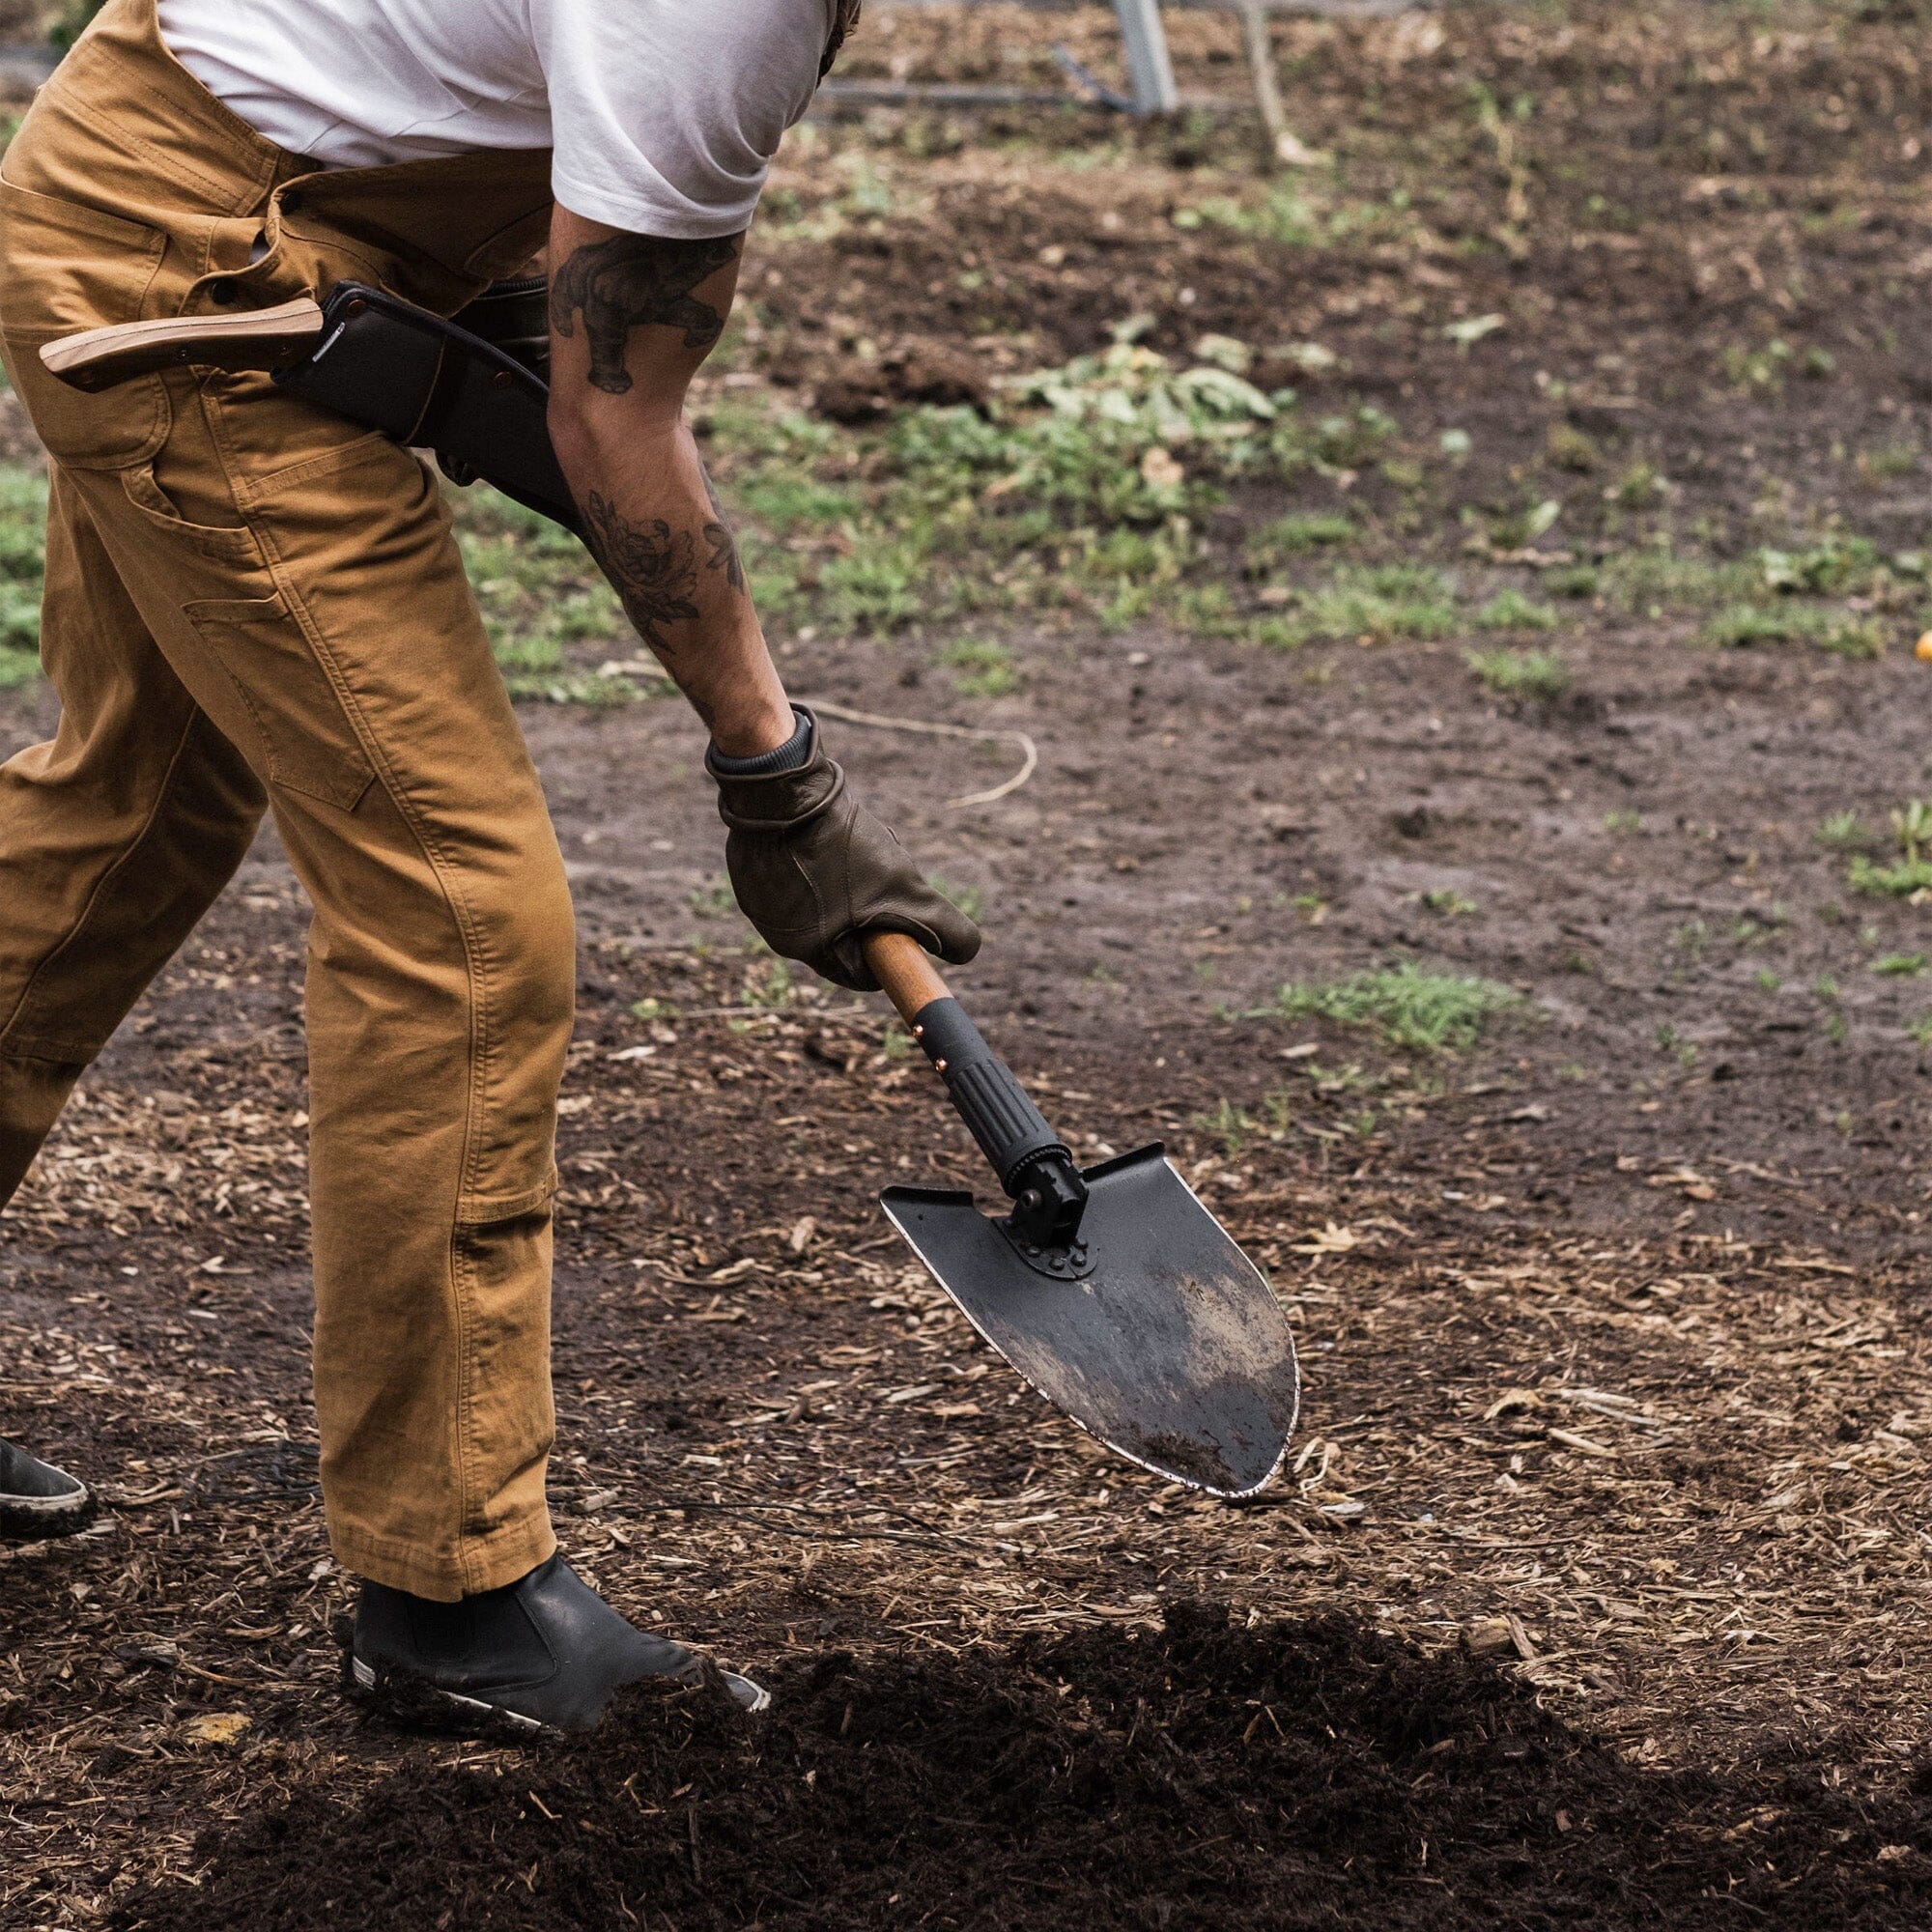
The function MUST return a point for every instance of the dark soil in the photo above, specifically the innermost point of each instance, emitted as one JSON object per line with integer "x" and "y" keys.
{"x": 1617, "y": 1365}
{"x": 1293, "y": 1776}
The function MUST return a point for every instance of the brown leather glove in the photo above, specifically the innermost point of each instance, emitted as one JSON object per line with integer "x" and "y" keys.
{"x": 813, "y": 870}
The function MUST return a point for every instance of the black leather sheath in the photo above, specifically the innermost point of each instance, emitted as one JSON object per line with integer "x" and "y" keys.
{"x": 436, "y": 385}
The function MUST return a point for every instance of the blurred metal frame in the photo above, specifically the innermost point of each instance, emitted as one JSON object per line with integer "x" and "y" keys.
{"x": 1150, "y": 67}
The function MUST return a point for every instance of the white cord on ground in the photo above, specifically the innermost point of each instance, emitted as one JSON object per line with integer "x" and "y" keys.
{"x": 846, "y": 716}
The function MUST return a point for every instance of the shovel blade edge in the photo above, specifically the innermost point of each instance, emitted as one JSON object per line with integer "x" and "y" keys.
{"x": 1174, "y": 1352}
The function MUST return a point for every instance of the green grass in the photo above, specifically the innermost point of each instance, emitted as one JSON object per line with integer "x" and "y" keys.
{"x": 1234, "y": 1126}
{"x": 1512, "y": 611}
{"x": 982, "y": 670}
{"x": 1834, "y": 564}
{"x": 1573, "y": 580}
{"x": 1661, "y": 580}
{"x": 23, "y": 524}
{"x": 1843, "y": 831}
{"x": 1080, "y": 488}
{"x": 1901, "y": 965}
{"x": 1411, "y": 1006}
{"x": 1378, "y": 604}
{"x": 1829, "y": 629}
{"x": 1903, "y": 879}
{"x": 1271, "y": 546}
{"x": 1538, "y": 674}
{"x": 1910, "y": 874}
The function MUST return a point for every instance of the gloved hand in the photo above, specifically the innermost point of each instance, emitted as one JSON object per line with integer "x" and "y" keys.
{"x": 813, "y": 870}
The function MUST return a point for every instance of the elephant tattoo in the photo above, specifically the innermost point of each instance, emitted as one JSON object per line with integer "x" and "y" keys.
{"x": 630, "y": 280}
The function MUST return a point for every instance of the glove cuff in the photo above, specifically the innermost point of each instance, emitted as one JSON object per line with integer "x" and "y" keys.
{"x": 790, "y": 757}
{"x": 780, "y": 801}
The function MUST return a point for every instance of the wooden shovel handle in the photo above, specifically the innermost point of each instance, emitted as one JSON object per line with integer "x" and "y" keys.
{"x": 905, "y": 968}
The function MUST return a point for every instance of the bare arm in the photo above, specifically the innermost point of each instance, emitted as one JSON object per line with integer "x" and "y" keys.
{"x": 632, "y": 319}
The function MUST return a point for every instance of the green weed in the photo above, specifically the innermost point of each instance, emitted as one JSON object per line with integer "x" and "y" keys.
{"x": 1234, "y": 1126}
{"x": 1414, "y": 1008}
{"x": 1912, "y": 873}
{"x": 1903, "y": 880}
{"x": 982, "y": 670}
{"x": 1573, "y": 580}
{"x": 1744, "y": 624}
{"x": 1843, "y": 831}
{"x": 783, "y": 500}
{"x": 1663, "y": 580}
{"x": 1571, "y": 448}
{"x": 23, "y": 521}
{"x": 1834, "y": 565}
{"x": 1912, "y": 827}
{"x": 1538, "y": 674}
{"x": 1271, "y": 546}
{"x": 1763, "y": 368}
{"x": 1512, "y": 611}
{"x": 1888, "y": 461}
{"x": 1639, "y": 486}
{"x": 770, "y": 983}
{"x": 1376, "y": 604}
{"x": 1901, "y": 965}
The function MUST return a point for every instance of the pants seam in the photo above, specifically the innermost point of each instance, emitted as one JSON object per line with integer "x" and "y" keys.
{"x": 477, "y": 969}
{"x": 49, "y": 1051}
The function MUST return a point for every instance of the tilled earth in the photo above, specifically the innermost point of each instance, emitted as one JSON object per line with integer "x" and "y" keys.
{"x": 1594, "y": 1594}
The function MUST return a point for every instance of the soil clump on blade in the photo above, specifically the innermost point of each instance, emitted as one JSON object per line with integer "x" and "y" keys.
{"x": 1206, "y": 1775}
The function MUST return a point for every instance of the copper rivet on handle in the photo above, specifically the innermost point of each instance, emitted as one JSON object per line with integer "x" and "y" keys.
{"x": 939, "y": 1067}
{"x": 503, "y": 379}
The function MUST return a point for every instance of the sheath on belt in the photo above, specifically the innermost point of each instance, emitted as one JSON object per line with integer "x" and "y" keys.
{"x": 482, "y": 405}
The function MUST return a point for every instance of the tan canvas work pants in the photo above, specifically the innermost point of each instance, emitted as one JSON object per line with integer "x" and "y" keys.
{"x": 250, "y": 604}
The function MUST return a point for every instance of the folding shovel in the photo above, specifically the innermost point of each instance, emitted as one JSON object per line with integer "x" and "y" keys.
{"x": 1111, "y": 1290}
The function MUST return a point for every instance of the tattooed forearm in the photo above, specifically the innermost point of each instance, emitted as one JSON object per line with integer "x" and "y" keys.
{"x": 651, "y": 566}
{"x": 723, "y": 545}
{"x": 630, "y": 280}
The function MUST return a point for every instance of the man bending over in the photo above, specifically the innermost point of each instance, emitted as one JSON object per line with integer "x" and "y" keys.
{"x": 251, "y": 606}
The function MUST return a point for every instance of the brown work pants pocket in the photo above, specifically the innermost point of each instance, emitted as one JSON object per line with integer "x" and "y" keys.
{"x": 306, "y": 741}
{"x": 66, "y": 267}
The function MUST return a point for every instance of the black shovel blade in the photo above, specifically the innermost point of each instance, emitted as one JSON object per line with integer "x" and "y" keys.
{"x": 1172, "y": 1350}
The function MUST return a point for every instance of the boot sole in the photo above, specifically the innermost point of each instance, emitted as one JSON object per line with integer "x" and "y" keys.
{"x": 369, "y": 1683}
{"x": 44, "y": 1516}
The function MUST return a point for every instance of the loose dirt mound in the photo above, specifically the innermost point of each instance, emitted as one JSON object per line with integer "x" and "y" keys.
{"x": 1296, "y": 1776}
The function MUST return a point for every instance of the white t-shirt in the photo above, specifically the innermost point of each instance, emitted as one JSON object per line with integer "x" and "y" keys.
{"x": 664, "y": 114}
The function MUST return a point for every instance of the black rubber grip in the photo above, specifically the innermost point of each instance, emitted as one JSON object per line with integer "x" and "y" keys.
{"x": 1009, "y": 1129}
